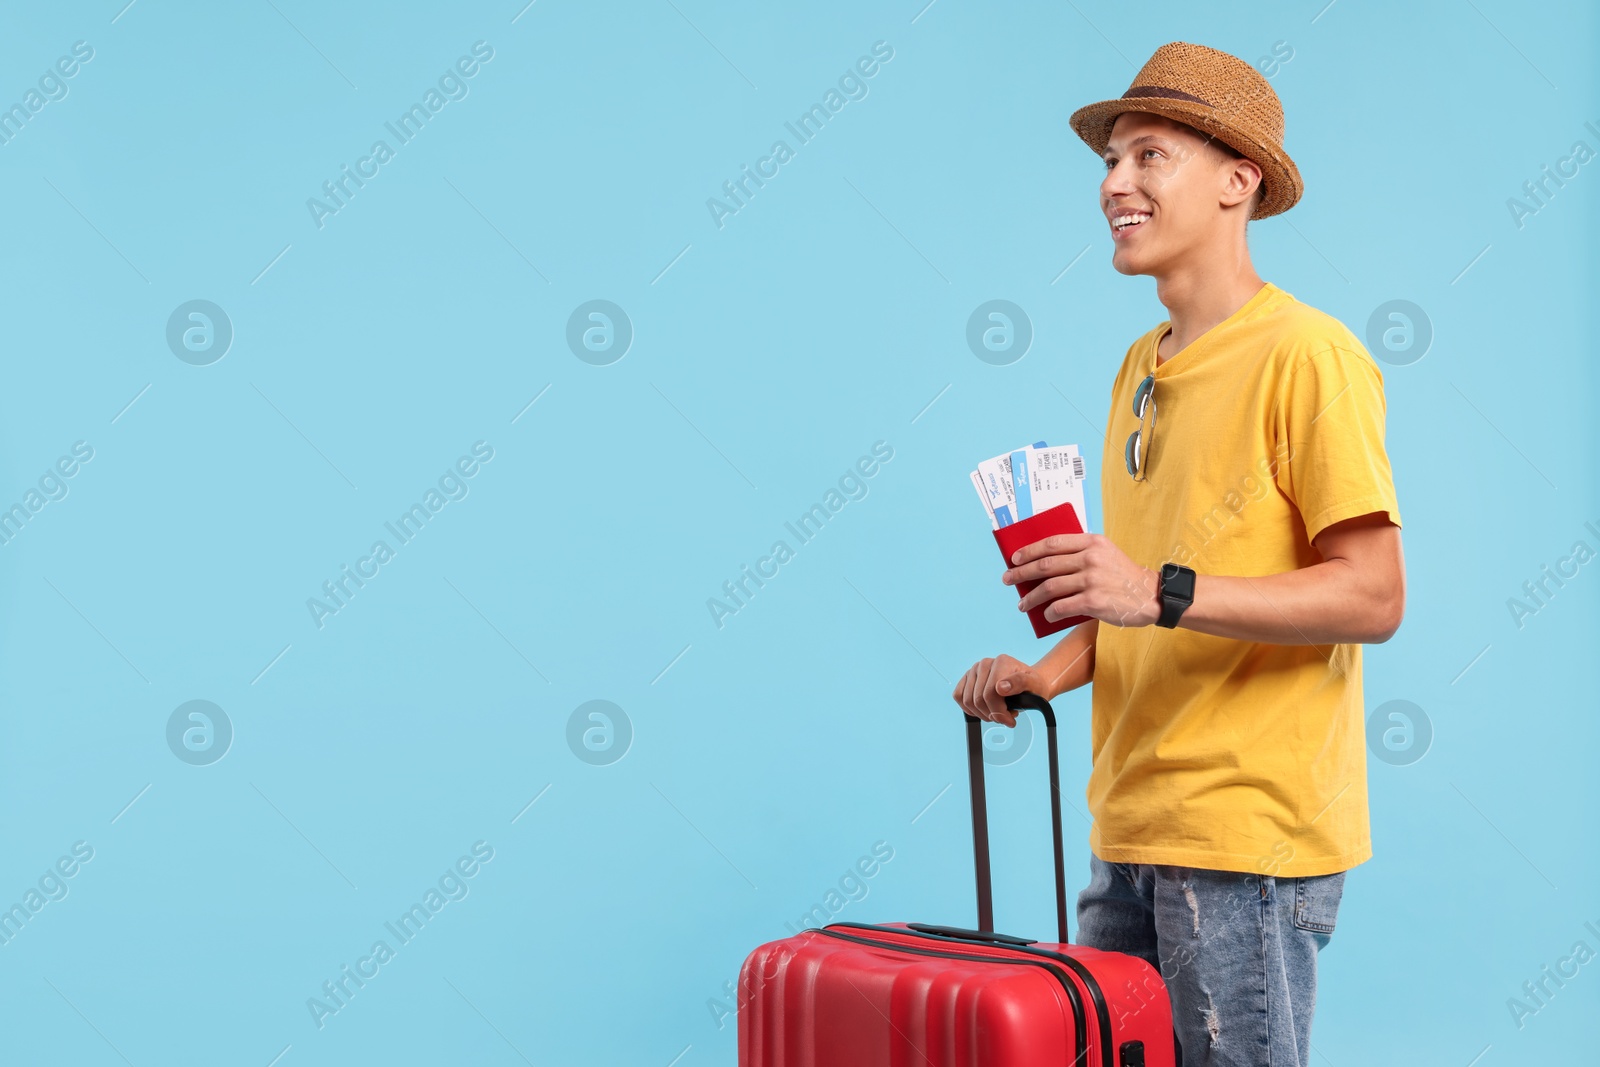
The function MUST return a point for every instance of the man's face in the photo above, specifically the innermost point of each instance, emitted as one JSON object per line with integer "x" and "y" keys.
{"x": 1165, "y": 177}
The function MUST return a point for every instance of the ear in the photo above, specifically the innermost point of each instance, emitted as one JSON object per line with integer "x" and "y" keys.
{"x": 1240, "y": 179}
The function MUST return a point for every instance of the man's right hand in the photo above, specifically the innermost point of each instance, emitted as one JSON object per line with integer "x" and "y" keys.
{"x": 982, "y": 691}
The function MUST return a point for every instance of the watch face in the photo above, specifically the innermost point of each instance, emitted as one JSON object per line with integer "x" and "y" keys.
{"x": 1177, "y": 582}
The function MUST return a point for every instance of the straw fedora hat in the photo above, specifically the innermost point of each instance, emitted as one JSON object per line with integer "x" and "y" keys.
{"x": 1218, "y": 94}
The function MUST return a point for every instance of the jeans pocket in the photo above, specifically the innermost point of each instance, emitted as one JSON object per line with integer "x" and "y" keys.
{"x": 1316, "y": 902}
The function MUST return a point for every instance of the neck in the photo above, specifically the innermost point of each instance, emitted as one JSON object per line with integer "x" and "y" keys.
{"x": 1198, "y": 296}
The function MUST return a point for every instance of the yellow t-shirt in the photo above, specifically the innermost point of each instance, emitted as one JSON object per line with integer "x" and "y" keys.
{"x": 1208, "y": 751}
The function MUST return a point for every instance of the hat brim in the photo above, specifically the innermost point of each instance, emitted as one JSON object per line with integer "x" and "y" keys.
{"x": 1281, "y": 185}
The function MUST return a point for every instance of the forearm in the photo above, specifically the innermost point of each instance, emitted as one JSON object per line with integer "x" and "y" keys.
{"x": 1356, "y": 595}
{"x": 1323, "y": 604}
{"x": 1070, "y": 663}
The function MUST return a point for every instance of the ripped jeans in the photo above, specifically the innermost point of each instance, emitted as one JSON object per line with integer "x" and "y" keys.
{"x": 1238, "y": 952}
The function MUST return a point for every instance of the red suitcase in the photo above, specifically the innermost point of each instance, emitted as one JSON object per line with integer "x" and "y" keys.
{"x": 915, "y": 995}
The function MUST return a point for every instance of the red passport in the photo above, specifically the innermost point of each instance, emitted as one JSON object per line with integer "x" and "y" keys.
{"x": 1061, "y": 519}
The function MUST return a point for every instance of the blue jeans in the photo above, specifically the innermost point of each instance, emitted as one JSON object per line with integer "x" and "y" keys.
{"x": 1238, "y": 952}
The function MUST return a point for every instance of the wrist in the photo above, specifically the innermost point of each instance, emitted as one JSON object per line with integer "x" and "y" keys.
{"x": 1069, "y": 664}
{"x": 1049, "y": 684}
{"x": 1152, "y": 604}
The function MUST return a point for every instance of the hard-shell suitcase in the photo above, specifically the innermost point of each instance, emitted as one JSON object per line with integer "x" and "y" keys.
{"x": 916, "y": 995}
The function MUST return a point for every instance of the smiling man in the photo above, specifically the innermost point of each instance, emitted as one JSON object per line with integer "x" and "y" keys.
{"x": 1251, "y": 546}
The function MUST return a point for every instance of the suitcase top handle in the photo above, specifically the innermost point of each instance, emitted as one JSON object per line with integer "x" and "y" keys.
{"x": 980, "y": 812}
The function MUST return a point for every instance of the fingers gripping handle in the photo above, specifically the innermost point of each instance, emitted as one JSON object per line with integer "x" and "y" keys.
{"x": 980, "y": 811}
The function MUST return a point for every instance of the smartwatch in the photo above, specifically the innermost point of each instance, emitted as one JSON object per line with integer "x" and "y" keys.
{"x": 1176, "y": 592}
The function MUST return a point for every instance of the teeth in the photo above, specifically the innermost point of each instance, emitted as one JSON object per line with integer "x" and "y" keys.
{"x": 1128, "y": 220}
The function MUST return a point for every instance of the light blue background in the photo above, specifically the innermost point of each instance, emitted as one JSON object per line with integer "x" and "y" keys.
{"x": 769, "y": 754}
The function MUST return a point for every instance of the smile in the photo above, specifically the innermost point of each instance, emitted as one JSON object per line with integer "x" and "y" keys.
{"x": 1124, "y": 223}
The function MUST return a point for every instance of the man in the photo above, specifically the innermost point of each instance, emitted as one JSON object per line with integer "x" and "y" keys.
{"x": 1251, "y": 546}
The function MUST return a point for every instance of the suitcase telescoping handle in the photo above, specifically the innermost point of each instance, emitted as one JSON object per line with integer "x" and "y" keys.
{"x": 980, "y": 814}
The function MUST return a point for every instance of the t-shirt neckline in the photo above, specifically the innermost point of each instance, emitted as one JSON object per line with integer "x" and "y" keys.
{"x": 1261, "y": 295}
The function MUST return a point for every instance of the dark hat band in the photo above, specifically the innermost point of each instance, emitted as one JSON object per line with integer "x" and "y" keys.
{"x": 1162, "y": 91}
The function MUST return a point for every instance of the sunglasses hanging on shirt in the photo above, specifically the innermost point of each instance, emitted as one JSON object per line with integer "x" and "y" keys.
{"x": 1136, "y": 453}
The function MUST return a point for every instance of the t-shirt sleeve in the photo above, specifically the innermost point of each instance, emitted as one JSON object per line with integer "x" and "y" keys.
{"x": 1331, "y": 415}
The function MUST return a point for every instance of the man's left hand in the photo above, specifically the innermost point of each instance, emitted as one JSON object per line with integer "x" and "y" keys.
{"x": 1086, "y": 574}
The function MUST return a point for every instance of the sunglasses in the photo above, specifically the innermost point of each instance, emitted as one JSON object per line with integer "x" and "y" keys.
{"x": 1136, "y": 452}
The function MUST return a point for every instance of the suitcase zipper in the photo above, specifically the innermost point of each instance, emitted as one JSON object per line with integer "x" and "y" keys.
{"x": 1081, "y": 1036}
{"x": 1102, "y": 1012}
